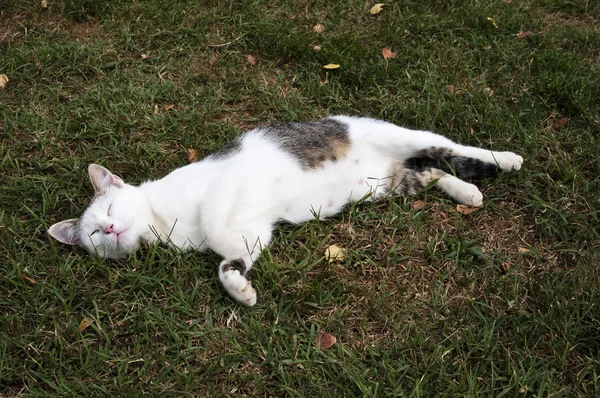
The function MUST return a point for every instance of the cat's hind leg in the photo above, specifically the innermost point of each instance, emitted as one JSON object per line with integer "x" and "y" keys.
{"x": 406, "y": 181}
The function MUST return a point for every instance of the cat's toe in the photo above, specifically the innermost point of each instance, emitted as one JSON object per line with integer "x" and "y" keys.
{"x": 509, "y": 161}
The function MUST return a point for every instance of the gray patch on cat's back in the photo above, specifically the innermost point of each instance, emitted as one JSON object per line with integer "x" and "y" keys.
{"x": 312, "y": 143}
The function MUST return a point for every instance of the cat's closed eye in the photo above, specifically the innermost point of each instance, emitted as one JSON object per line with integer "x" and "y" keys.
{"x": 108, "y": 211}
{"x": 94, "y": 232}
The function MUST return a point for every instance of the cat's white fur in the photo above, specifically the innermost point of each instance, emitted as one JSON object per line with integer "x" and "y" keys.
{"x": 230, "y": 204}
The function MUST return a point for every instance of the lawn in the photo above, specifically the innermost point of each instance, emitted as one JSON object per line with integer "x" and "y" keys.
{"x": 427, "y": 302}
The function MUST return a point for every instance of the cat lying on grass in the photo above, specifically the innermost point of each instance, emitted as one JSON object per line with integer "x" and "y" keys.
{"x": 230, "y": 201}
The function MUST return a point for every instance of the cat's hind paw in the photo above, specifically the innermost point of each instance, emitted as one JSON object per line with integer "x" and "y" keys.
{"x": 508, "y": 161}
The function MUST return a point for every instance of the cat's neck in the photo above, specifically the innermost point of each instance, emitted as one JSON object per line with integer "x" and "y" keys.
{"x": 175, "y": 199}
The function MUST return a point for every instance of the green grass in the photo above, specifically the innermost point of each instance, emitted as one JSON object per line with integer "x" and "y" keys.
{"x": 427, "y": 303}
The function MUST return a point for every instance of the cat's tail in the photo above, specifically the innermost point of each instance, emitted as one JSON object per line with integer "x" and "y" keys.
{"x": 465, "y": 161}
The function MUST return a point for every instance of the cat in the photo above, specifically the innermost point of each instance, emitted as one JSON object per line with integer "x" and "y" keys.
{"x": 230, "y": 201}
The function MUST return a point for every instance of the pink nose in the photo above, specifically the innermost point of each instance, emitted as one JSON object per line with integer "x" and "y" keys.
{"x": 109, "y": 229}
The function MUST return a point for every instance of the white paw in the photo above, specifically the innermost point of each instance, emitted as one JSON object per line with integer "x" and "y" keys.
{"x": 468, "y": 195}
{"x": 508, "y": 161}
{"x": 238, "y": 287}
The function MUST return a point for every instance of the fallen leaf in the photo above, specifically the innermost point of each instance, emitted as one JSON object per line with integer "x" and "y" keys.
{"x": 444, "y": 215}
{"x": 44, "y": 3}
{"x": 524, "y": 250}
{"x": 192, "y": 155}
{"x": 251, "y": 59}
{"x": 3, "y": 80}
{"x": 505, "y": 266}
{"x": 523, "y": 389}
{"x": 85, "y": 322}
{"x": 466, "y": 210}
{"x": 169, "y": 107}
{"x": 331, "y": 66}
{"x": 489, "y": 91}
{"x": 522, "y": 35}
{"x": 387, "y": 53}
{"x": 335, "y": 253}
{"x": 317, "y": 48}
{"x": 376, "y": 9}
{"x": 29, "y": 280}
{"x": 507, "y": 1}
{"x": 493, "y": 22}
{"x": 318, "y": 28}
{"x": 324, "y": 340}
{"x": 156, "y": 110}
{"x": 563, "y": 121}
{"x": 453, "y": 90}
{"x": 418, "y": 204}
{"x": 144, "y": 56}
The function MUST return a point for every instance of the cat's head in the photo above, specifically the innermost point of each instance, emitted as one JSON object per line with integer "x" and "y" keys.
{"x": 115, "y": 222}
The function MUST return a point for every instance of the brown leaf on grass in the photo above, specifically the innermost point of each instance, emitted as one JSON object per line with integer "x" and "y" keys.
{"x": 489, "y": 91}
{"x": 324, "y": 340}
{"x": 44, "y": 3}
{"x": 453, "y": 90}
{"x": 466, "y": 210}
{"x": 29, "y": 280}
{"x": 192, "y": 155}
{"x": 3, "y": 80}
{"x": 335, "y": 253}
{"x": 376, "y": 9}
{"x": 522, "y": 35}
{"x": 169, "y": 107}
{"x": 331, "y": 66}
{"x": 418, "y": 204}
{"x": 317, "y": 48}
{"x": 318, "y": 28}
{"x": 388, "y": 54}
{"x": 85, "y": 322}
{"x": 251, "y": 59}
{"x": 505, "y": 266}
{"x": 524, "y": 250}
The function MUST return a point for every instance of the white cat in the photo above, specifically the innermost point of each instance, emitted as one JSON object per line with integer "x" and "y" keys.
{"x": 230, "y": 201}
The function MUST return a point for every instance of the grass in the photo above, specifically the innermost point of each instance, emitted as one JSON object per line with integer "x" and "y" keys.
{"x": 428, "y": 302}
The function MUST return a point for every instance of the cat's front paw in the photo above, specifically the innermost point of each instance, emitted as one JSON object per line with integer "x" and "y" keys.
{"x": 238, "y": 287}
{"x": 509, "y": 161}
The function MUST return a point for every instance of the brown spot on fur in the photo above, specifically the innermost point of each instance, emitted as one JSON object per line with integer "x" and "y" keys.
{"x": 312, "y": 143}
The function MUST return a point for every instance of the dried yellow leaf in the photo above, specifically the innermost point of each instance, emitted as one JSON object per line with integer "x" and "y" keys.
{"x": 376, "y": 9}
{"x": 3, "y": 80}
{"x": 335, "y": 253}
{"x": 331, "y": 66}
{"x": 44, "y": 3}
{"x": 317, "y": 48}
{"x": 524, "y": 250}
{"x": 169, "y": 107}
{"x": 493, "y": 22}
{"x": 85, "y": 322}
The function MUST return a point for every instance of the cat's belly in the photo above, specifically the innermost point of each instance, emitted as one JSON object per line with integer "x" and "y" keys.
{"x": 323, "y": 193}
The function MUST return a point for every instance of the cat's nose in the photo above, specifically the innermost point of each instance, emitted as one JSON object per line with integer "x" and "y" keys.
{"x": 109, "y": 229}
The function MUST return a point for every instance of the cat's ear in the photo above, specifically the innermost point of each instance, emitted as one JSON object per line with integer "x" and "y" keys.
{"x": 102, "y": 178}
{"x": 66, "y": 231}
